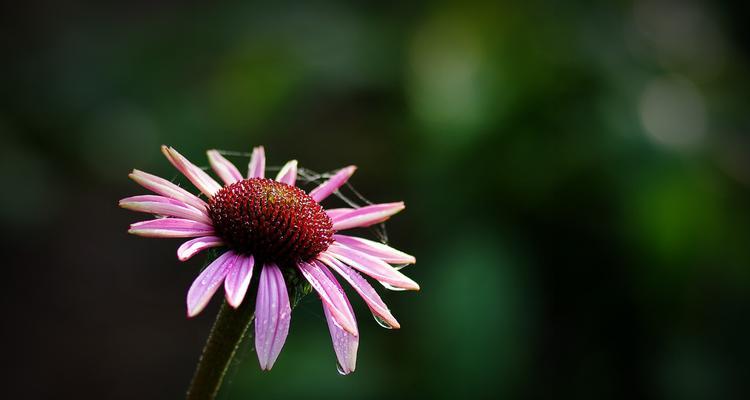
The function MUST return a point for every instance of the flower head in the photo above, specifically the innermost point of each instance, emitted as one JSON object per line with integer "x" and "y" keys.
{"x": 267, "y": 226}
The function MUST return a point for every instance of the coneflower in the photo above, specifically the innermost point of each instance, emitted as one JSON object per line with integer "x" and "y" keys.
{"x": 269, "y": 227}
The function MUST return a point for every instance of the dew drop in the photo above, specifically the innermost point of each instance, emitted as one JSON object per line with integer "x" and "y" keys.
{"x": 382, "y": 322}
{"x": 390, "y": 287}
{"x": 398, "y": 267}
{"x": 340, "y": 368}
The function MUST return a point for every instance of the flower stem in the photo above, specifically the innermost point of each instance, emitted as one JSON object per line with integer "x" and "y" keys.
{"x": 226, "y": 335}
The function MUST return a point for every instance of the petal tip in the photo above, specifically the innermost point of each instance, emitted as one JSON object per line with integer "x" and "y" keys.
{"x": 234, "y": 303}
{"x": 349, "y": 171}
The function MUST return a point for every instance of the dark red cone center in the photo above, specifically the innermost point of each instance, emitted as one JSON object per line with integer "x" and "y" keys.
{"x": 272, "y": 221}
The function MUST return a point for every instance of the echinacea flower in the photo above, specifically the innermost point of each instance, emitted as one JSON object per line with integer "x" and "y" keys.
{"x": 266, "y": 226}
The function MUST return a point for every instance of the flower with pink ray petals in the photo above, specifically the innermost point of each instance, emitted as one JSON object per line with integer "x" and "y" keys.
{"x": 265, "y": 230}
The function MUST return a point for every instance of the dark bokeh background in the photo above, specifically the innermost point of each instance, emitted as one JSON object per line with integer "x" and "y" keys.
{"x": 577, "y": 179}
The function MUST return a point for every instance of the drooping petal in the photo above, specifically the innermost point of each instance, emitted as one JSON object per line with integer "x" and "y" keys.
{"x": 195, "y": 246}
{"x": 335, "y": 212}
{"x": 171, "y": 228}
{"x": 365, "y": 290}
{"x": 334, "y": 183}
{"x": 272, "y": 315}
{"x": 167, "y": 188}
{"x": 374, "y": 267}
{"x": 257, "y": 166}
{"x": 197, "y": 176}
{"x": 167, "y": 207}
{"x": 223, "y": 167}
{"x": 288, "y": 173}
{"x": 344, "y": 343}
{"x": 238, "y": 280}
{"x": 206, "y": 284}
{"x": 330, "y": 293}
{"x": 367, "y": 215}
{"x": 375, "y": 249}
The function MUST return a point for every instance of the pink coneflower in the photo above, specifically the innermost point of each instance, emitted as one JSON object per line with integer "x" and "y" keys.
{"x": 268, "y": 225}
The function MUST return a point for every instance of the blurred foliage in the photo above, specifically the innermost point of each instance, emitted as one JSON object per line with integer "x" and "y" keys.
{"x": 577, "y": 179}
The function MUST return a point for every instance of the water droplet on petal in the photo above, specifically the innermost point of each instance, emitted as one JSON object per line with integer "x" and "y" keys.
{"x": 391, "y": 287}
{"x": 340, "y": 368}
{"x": 382, "y": 322}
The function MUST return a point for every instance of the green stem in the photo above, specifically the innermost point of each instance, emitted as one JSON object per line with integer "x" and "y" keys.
{"x": 226, "y": 335}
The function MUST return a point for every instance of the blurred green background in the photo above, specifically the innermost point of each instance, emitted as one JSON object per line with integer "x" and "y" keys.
{"x": 577, "y": 181}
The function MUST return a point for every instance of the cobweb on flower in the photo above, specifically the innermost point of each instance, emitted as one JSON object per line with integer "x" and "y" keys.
{"x": 346, "y": 193}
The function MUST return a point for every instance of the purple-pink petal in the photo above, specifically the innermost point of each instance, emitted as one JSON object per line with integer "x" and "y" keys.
{"x": 334, "y": 183}
{"x": 155, "y": 199}
{"x": 288, "y": 173}
{"x": 167, "y": 207}
{"x": 330, "y": 293}
{"x": 344, "y": 343}
{"x": 238, "y": 280}
{"x": 171, "y": 228}
{"x": 375, "y": 249}
{"x": 197, "y": 176}
{"x": 257, "y": 166}
{"x": 272, "y": 315}
{"x": 365, "y": 290}
{"x": 374, "y": 267}
{"x": 206, "y": 284}
{"x": 335, "y": 212}
{"x": 167, "y": 188}
{"x": 195, "y": 246}
{"x": 223, "y": 167}
{"x": 367, "y": 215}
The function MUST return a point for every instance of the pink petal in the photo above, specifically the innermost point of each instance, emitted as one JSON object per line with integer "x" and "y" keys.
{"x": 197, "y": 176}
{"x": 334, "y": 183}
{"x": 238, "y": 280}
{"x": 365, "y": 290}
{"x": 344, "y": 343}
{"x": 223, "y": 167}
{"x": 195, "y": 246}
{"x": 375, "y": 249}
{"x": 335, "y": 212}
{"x": 257, "y": 166}
{"x": 206, "y": 284}
{"x": 167, "y": 188}
{"x": 155, "y": 199}
{"x": 272, "y": 315}
{"x": 374, "y": 267}
{"x": 367, "y": 215}
{"x": 288, "y": 173}
{"x": 159, "y": 205}
{"x": 171, "y": 228}
{"x": 330, "y": 293}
